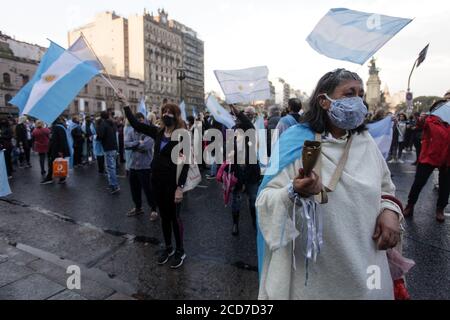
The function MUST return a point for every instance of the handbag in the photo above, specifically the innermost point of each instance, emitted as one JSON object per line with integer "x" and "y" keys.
{"x": 60, "y": 168}
{"x": 194, "y": 176}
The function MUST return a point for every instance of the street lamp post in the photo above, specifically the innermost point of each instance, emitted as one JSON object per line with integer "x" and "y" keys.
{"x": 181, "y": 76}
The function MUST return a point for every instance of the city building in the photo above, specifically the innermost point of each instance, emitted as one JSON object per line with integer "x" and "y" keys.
{"x": 167, "y": 55}
{"x": 19, "y": 61}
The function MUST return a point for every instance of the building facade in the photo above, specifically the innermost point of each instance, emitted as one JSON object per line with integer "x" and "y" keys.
{"x": 18, "y": 65}
{"x": 158, "y": 51}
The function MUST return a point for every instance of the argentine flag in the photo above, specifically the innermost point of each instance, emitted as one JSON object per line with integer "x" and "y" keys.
{"x": 59, "y": 78}
{"x": 246, "y": 85}
{"x": 382, "y": 133}
{"x": 4, "y": 185}
{"x": 219, "y": 113}
{"x": 183, "y": 111}
{"x": 142, "y": 108}
{"x": 353, "y": 36}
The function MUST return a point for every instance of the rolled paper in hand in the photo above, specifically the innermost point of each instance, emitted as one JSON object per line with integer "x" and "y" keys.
{"x": 310, "y": 156}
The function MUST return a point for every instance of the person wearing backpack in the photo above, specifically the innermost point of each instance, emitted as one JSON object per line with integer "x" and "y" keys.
{"x": 435, "y": 154}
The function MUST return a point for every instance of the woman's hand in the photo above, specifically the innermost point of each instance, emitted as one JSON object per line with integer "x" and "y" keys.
{"x": 178, "y": 195}
{"x": 387, "y": 230}
{"x": 123, "y": 100}
{"x": 307, "y": 186}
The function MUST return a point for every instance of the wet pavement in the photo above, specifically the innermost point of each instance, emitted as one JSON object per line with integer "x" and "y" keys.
{"x": 81, "y": 223}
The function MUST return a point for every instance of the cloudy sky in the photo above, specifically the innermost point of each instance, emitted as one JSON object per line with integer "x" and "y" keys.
{"x": 245, "y": 33}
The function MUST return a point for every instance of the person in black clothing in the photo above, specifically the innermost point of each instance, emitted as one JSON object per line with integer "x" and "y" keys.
{"x": 107, "y": 135}
{"x": 274, "y": 118}
{"x": 168, "y": 191}
{"x": 248, "y": 174}
{"x": 419, "y": 120}
{"x": 87, "y": 130}
{"x": 78, "y": 140}
{"x": 6, "y": 136}
{"x": 59, "y": 148}
{"x": 23, "y": 142}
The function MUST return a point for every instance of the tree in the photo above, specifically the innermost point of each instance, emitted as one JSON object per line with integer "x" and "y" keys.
{"x": 421, "y": 104}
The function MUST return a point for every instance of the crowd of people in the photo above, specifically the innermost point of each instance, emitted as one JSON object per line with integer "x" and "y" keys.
{"x": 361, "y": 216}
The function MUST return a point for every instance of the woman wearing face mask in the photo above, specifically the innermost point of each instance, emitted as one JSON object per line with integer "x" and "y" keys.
{"x": 327, "y": 255}
{"x": 168, "y": 193}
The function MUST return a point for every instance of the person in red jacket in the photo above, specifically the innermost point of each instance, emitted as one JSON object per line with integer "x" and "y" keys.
{"x": 435, "y": 153}
{"x": 41, "y": 137}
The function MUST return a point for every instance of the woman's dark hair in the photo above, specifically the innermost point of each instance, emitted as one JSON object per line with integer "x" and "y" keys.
{"x": 316, "y": 116}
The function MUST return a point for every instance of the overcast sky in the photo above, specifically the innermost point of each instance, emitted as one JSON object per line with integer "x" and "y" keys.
{"x": 245, "y": 33}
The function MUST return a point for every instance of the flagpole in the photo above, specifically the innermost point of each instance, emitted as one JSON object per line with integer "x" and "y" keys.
{"x": 103, "y": 66}
{"x": 410, "y": 75}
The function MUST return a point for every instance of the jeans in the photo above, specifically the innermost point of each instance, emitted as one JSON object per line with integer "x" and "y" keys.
{"x": 111, "y": 168}
{"x": 213, "y": 172}
{"x": 423, "y": 173}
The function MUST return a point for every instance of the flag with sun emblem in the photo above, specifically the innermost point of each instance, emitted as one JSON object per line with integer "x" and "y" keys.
{"x": 245, "y": 85}
{"x": 58, "y": 79}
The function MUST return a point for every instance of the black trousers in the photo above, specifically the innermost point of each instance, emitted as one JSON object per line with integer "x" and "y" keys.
{"x": 140, "y": 181}
{"x": 101, "y": 164}
{"x": 42, "y": 161}
{"x": 77, "y": 154}
{"x": 169, "y": 212}
{"x": 418, "y": 146}
{"x": 8, "y": 161}
{"x": 423, "y": 173}
{"x": 25, "y": 156}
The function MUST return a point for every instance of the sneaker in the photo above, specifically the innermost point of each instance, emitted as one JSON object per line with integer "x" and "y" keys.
{"x": 47, "y": 181}
{"x": 62, "y": 181}
{"x": 210, "y": 177}
{"x": 154, "y": 216}
{"x": 165, "y": 255}
{"x": 401, "y": 161}
{"x": 178, "y": 260}
{"x": 115, "y": 190}
{"x": 135, "y": 212}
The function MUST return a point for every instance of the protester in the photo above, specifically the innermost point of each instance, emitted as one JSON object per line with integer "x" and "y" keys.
{"x": 435, "y": 154}
{"x": 361, "y": 219}
{"x": 58, "y": 148}
{"x": 293, "y": 116}
{"x": 22, "y": 131}
{"x": 78, "y": 141}
{"x": 247, "y": 173}
{"x": 88, "y": 150}
{"x": 121, "y": 136}
{"x": 41, "y": 136}
{"x": 141, "y": 148}
{"x": 6, "y": 135}
{"x": 402, "y": 125}
{"x": 99, "y": 153}
{"x": 168, "y": 191}
{"x": 107, "y": 135}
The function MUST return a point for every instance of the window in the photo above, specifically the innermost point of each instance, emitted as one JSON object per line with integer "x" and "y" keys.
{"x": 99, "y": 90}
{"x": 99, "y": 106}
{"x": 6, "y": 78}
{"x": 86, "y": 89}
{"x": 25, "y": 79}
{"x": 7, "y": 99}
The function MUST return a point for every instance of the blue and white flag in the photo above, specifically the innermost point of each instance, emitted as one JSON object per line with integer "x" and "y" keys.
{"x": 262, "y": 142}
{"x": 4, "y": 184}
{"x": 194, "y": 112}
{"x": 246, "y": 85}
{"x": 219, "y": 113}
{"x": 353, "y": 36}
{"x": 143, "y": 108}
{"x": 443, "y": 112}
{"x": 82, "y": 51}
{"x": 183, "y": 111}
{"x": 59, "y": 78}
{"x": 382, "y": 132}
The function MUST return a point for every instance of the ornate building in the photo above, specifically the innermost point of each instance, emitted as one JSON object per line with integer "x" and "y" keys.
{"x": 153, "y": 49}
{"x": 373, "y": 94}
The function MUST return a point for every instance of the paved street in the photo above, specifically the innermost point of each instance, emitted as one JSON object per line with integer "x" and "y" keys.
{"x": 45, "y": 229}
